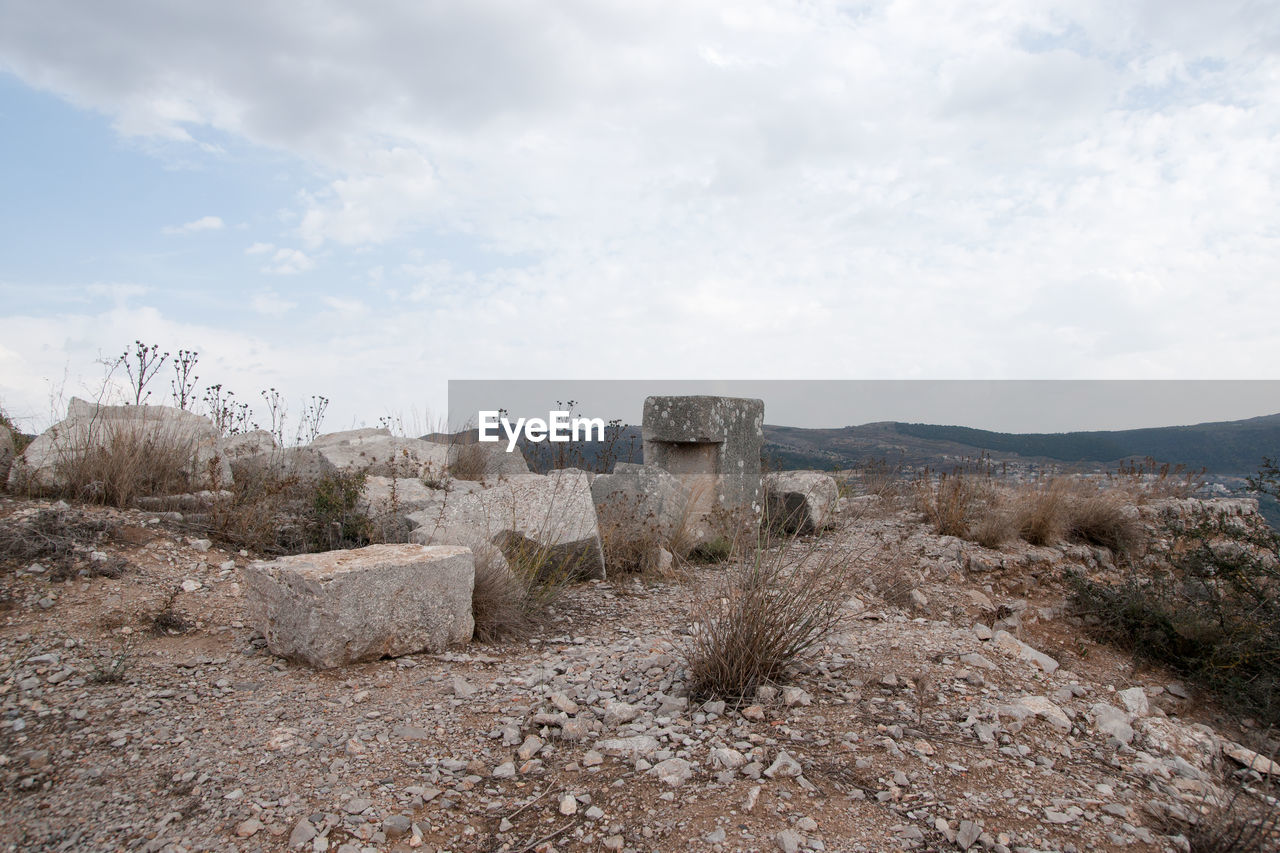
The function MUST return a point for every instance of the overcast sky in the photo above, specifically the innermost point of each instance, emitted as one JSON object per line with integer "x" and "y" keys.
{"x": 365, "y": 200}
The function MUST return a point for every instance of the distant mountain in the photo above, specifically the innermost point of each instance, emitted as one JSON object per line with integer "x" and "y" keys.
{"x": 1226, "y": 448}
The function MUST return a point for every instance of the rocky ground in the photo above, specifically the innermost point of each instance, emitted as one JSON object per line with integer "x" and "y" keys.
{"x": 957, "y": 709}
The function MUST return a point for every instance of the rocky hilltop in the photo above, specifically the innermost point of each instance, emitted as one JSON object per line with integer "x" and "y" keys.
{"x": 155, "y": 698}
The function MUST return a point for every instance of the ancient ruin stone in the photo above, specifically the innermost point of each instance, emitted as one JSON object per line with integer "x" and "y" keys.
{"x": 647, "y": 492}
{"x": 712, "y": 445}
{"x": 89, "y": 427}
{"x": 800, "y": 501}
{"x": 342, "y": 607}
{"x": 378, "y": 453}
{"x": 550, "y": 519}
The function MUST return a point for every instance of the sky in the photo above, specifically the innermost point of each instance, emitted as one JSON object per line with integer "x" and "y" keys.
{"x": 365, "y": 201}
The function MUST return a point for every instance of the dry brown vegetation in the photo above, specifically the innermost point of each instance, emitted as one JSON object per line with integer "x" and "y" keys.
{"x": 128, "y": 462}
{"x": 469, "y": 462}
{"x": 1045, "y": 513}
{"x": 630, "y": 536}
{"x": 769, "y": 612}
{"x": 499, "y": 599}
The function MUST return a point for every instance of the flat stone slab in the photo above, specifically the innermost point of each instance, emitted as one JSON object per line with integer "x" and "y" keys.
{"x": 343, "y": 607}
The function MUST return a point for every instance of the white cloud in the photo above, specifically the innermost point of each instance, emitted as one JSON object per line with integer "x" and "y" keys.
{"x": 271, "y": 304}
{"x": 289, "y": 262}
{"x": 1069, "y": 188}
{"x": 204, "y": 223}
{"x": 345, "y": 306}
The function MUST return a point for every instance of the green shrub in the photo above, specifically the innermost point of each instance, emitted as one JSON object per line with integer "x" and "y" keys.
{"x": 335, "y": 521}
{"x": 1212, "y": 613}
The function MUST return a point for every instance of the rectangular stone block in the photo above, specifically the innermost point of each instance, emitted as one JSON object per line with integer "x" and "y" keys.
{"x": 712, "y": 444}
{"x": 343, "y": 607}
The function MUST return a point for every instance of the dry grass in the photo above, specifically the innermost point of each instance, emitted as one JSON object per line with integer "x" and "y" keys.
{"x": 1041, "y": 513}
{"x": 1105, "y": 519}
{"x": 994, "y": 528}
{"x": 128, "y": 463}
{"x": 1044, "y": 513}
{"x": 630, "y": 536}
{"x": 765, "y": 615}
{"x": 952, "y": 502}
{"x": 499, "y": 599}
{"x": 470, "y": 462}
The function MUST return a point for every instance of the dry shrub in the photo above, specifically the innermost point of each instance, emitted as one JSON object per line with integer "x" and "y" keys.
{"x": 271, "y": 511}
{"x": 629, "y": 535}
{"x": 763, "y": 616}
{"x": 1207, "y": 608}
{"x": 995, "y": 527}
{"x": 128, "y": 463}
{"x": 1104, "y": 519}
{"x": 1041, "y": 513}
{"x": 498, "y": 599}
{"x": 260, "y": 513}
{"x": 169, "y": 619}
{"x": 951, "y": 502}
{"x": 1062, "y": 509}
{"x": 469, "y": 463}
{"x": 1246, "y": 821}
{"x": 57, "y": 538}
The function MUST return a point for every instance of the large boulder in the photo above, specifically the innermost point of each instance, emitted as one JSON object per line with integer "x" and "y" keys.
{"x": 642, "y": 510}
{"x": 485, "y": 461}
{"x": 800, "y": 501}
{"x": 343, "y": 607}
{"x": 650, "y": 496}
{"x": 378, "y": 453}
{"x": 254, "y": 455}
{"x": 548, "y": 519}
{"x": 147, "y": 431}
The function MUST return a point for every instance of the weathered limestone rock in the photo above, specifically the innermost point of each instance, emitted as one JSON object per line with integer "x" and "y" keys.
{"x": 343, "y": 607}
{"x": 1025, "y": 707}
{"x": 644, "y": 497}
{"x": 90, "y": 427}
{"x": 245, "y": 444}
{"x": 800, "y": 501}
{"x": 1110, "y": 720}
{"x": 1011, "y": 645}
{"x": 712, "y": 445}
{"x": 384, "y": 495}
{"x": 379, "y": 453}
{"x": 255, "y": 454}
{"x": 548, "y": 518}
{"x": 486, "y": 462}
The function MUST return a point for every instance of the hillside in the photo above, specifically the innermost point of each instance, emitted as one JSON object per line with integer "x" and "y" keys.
{"x": 1226, "y": 448}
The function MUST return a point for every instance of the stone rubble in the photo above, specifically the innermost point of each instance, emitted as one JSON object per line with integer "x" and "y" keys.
{"x": 208, "y": 741}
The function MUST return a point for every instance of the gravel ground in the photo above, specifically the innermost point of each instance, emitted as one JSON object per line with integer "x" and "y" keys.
{"x": 956, "y": 709}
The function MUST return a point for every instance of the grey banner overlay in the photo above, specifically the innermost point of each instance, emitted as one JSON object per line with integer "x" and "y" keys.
{"x": 1000, "y": 405}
